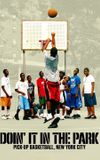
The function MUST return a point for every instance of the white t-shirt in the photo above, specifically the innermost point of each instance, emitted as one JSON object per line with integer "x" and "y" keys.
{"x": 62, "y": 86}
{"x": 87, "y": 83}
{"x": 22, "y": 87}
{"x": 51, "y": 63}
{"x": 6, "y": 83}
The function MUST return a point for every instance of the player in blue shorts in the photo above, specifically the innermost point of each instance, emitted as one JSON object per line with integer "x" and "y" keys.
{"x": 88, "y": 93}
{"x": 76, "y": 100}
{"x": 22, "y": 90}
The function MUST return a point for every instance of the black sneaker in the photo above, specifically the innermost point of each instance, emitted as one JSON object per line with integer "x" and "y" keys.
{"x": 35, "y": 116}
{"x": 67, "y": 117}
{"x": 16, "y": 117}
{"x": 26, "y": 118}
{"x": 46, "y": 120}
{"x": 76, "y": 116}
{"x": 93, "y": 117}
{"x": 88, "y": 117}
{"x": 53, "y": 126}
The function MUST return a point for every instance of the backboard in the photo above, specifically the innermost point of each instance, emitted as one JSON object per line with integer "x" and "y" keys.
{"x": 35, "y": 31}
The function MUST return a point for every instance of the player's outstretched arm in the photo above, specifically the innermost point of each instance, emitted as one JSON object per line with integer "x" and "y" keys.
{"x": 44, "y": 46}
{"x": 53, "y": 42}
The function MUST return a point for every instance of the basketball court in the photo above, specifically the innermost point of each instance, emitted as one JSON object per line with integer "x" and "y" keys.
{"x": 37, "y": 125}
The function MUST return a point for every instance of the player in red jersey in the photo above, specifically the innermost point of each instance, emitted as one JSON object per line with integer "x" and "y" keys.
{"x": 41, "y": 84}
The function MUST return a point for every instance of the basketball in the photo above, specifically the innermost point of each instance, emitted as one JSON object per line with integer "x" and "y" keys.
{"x": 52, "y": 13}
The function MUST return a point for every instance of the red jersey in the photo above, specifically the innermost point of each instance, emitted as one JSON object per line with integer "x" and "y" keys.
{"x": 41, "y": 82}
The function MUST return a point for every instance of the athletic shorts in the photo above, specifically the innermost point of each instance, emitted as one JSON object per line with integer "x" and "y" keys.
{"x": 23, "y": 103}
{"x": 42, "y": 100}
{"x": 76, "y": 102}
{"x": 62, "y": 98}
{"x": 90, "y": 101}
{"x": 68, "y": 99}
{"x": 5, "y": 101}
{"x": 52, "y": 91}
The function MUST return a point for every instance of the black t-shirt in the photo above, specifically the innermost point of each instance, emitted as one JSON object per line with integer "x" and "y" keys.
{"x": 31, "y": 89}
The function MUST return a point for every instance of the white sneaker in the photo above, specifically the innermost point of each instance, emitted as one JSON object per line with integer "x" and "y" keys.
{"x": 3, "y": 117}
{"x": 49, "y": 116}
{"x": 57, "y": 115}
{"x": 41, "y": 115}
{"x": 44, "y": 115}
{"x": 8, "y": 117}
{"x": 62, "y": 118}
{"x": 68, "y": 108}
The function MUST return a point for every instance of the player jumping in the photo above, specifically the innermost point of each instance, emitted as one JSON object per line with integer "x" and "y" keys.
{"x": 52, "y": 78}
